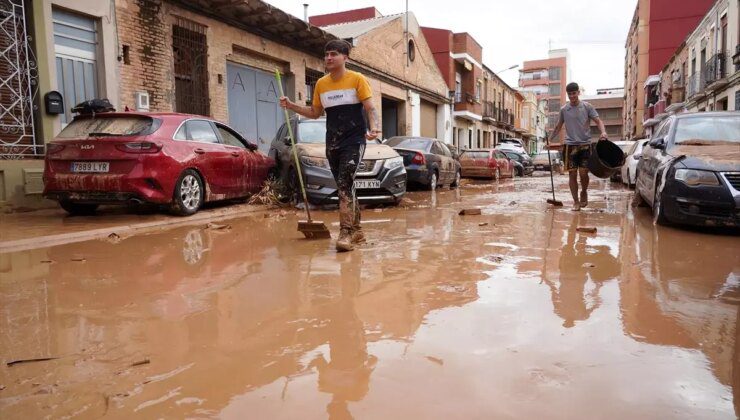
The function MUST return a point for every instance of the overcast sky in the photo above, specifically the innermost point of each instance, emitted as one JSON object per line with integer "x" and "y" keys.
{"x": 512, "y": 31}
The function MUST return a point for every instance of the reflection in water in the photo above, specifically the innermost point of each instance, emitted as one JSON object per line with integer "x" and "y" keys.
{"x": 347, "y": 374}
{"x": 580, "y": 262}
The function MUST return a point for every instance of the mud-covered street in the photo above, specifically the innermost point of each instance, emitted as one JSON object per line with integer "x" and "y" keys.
{"x": 509, "y": 314}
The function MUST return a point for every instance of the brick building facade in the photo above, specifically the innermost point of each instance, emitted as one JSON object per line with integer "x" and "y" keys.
{"x": 547, "y": 78}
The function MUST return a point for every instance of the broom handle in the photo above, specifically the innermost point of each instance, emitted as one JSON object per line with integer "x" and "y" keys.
{"x": 549, "y": 160}
{"x": 295, "y": 151}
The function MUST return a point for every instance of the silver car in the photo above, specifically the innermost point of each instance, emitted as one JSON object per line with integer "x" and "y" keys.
{"x": 381, "y": 176}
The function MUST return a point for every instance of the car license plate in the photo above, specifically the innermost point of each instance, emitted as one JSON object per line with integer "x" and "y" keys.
{"x": 367, "y": 183}
{"x": 90, "y": 166}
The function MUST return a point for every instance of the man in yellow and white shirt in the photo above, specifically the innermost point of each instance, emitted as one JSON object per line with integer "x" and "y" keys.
{"x": 343, "y": 94}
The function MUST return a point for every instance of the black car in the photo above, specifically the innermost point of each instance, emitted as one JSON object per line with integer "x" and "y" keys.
{"x": 381, "y": 177}
{"x": 690, "y": 170}
{"x": 428, "y": 161}
{"x": 522, "y": 162}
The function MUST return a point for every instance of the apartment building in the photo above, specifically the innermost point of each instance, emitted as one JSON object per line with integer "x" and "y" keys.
{"x": 547, "y": 79}
{"x": 658, "y": 27}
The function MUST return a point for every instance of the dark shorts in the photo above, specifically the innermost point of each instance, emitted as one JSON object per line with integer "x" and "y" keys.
{"x": 576, "y": 156}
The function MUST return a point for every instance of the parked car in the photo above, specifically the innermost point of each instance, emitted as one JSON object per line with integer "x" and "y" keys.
{"x": 541, "y": 162}
{"x": 486, "y": 163}
{"x": 524, "y": 164}
{"x": 690, "y": 171}
{"x": 512, "y": 144}
{"x": 381, "y": 177}
{"x": 629, "y": 169}
{"x": 174, "y": 159}
{"x": 429, "y": 162}
{"x": 625, "y": 145}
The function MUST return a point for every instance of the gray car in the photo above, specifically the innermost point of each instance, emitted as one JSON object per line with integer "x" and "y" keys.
{"x": 381, "y": 176}
{"x": 429, "y": 162}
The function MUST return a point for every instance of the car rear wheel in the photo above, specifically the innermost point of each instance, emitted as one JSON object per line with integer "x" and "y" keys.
{"x": 189, "y": 193}
{"x": 497, "y": 174}
{"x": 456, "y": 182}
{"x": 433, "y": 181}
{"x": 78, "y": 209}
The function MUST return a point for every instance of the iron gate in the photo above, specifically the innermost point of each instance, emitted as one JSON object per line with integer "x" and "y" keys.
{"x": 18, "y": 84}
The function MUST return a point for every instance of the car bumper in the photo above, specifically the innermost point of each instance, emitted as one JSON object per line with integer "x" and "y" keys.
{"x": 417, "y": 174}
{"x": 104, "y": 188}
{"x": 700, "y": 206}
{"x": 477, "y": 172}
{"x": 322, "y": 189}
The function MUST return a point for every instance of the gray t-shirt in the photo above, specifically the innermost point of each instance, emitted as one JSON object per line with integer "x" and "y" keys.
{"x": 577, "y": 120}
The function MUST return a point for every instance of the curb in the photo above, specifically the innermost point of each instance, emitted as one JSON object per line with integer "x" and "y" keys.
{"x": 127, "y": 230}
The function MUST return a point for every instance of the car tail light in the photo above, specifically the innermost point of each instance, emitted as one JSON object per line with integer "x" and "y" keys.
{"x": 139, "y": 147}
{"x": 419, "y": 159}
{"x": 54, "y": 148}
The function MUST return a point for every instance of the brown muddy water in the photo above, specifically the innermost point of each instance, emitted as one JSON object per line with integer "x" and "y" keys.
{"x": 510, "y": 314}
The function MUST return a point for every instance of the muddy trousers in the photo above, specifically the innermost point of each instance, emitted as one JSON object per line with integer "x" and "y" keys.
{"x": 344, "y": 161}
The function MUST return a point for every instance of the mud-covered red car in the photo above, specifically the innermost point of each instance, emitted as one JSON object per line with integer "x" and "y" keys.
{"x": 177, "y": 160}
{"x": 689, "y": 171}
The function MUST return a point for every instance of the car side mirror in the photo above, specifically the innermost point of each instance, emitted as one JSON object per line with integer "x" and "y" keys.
{"x": 251, "y": 146}
{"x": 658, "y": 143}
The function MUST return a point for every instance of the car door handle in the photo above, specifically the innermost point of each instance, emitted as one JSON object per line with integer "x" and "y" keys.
{"x": 199, "y": 151}
{"x": 235, "y": 154}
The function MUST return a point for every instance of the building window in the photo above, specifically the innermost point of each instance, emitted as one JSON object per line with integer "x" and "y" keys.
{"x": 190, "y": 51}
{"x": 75, "y": 51}
{"x": 554, "y": 73}
{"x": 554, "y": 89}
{"x": 553, "y": 105}
{"x": 411, "y": 50}
{"x": 312, "y": 76}
{"x": 458, "y": 88}
{"x": 477, "y": 91}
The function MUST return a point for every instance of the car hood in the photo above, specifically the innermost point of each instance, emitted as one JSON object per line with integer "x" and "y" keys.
{"x": 721, "y": 157}
{"x": 373, "y": 151}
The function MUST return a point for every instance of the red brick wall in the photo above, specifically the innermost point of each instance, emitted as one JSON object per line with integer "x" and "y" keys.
{"x": 464, "y": 43}
{"x": 142, "y": 27}
{"x": 440, "y": 42}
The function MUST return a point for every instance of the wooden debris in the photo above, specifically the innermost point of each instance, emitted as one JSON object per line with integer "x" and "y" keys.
{"x": 470, "y": 212}
{"x": 141, "y": 363}
{"x": 483, "y": 224}
{"x": 21, "y": 361}
{"x": 586, "y": 229}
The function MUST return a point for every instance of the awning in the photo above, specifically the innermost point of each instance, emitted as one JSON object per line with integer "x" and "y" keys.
{"x": 652, "y": 80}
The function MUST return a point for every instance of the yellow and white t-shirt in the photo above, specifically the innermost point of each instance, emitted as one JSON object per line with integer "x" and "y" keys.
{"x": 342, "y": 100}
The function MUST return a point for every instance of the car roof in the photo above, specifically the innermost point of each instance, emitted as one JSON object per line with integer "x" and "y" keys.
{"x": 477, "y": 150}
{"x": 708, "y": 114}
{"x": 412, "y": 138}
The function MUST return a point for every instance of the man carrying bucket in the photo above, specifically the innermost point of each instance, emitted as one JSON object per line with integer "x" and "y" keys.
{"x": 577, "y": 115}
{"x": 344, "y": 94}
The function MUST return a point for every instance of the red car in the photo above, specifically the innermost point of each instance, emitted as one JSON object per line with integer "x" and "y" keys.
{"x": 486, "y": 163}
{"x": 164, "y": 158}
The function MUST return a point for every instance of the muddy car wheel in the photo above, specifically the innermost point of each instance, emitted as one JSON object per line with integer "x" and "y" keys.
{"x": 189, "y": 193}
{"x": 433, "y": 181}
{"x": 78, "y": 209}
{"x": 456, "y": 182}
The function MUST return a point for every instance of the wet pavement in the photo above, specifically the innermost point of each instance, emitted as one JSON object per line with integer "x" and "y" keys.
{"x": 509, "y": 314}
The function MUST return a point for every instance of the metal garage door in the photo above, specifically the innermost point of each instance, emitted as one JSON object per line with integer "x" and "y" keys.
{"x": 254, "y": 110}
{"x": 428, "y": 119}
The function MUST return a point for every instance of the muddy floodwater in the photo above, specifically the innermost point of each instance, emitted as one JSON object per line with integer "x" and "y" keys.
{"x": 513, "y": 313}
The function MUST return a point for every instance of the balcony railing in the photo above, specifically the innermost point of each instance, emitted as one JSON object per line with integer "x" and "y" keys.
{"x": 736, "y": 57}
{"x": 458, "y": 97}
{"x": 716, "y": 68}
{"x": 489, "y": 110}
{"x": 695, "y": 84}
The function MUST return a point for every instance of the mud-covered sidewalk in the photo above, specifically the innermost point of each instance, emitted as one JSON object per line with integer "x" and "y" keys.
{"x": 513, "y": 313}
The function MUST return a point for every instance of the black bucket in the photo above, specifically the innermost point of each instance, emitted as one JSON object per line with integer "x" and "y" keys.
{"x": 606, "y": 159}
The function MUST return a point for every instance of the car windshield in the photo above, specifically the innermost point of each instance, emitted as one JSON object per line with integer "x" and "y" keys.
{"x": 409, "y": 143}
{"x": 625, "y": 147}
{"x": 513, "y": 156}
{"x": 106, "y": 127}
{"x": 709, "y": 130}
{"x": 312, "y": 132}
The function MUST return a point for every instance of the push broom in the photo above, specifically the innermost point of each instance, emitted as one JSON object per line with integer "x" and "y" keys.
{"x": 552, "y": 201}
{"x": 311, "y": 229}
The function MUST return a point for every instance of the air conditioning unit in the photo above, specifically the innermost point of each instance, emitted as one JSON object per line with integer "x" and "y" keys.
{"x": 142, "y": 101}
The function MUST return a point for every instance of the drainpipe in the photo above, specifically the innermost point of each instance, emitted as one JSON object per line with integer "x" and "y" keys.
{"x": 305, "y": 12}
